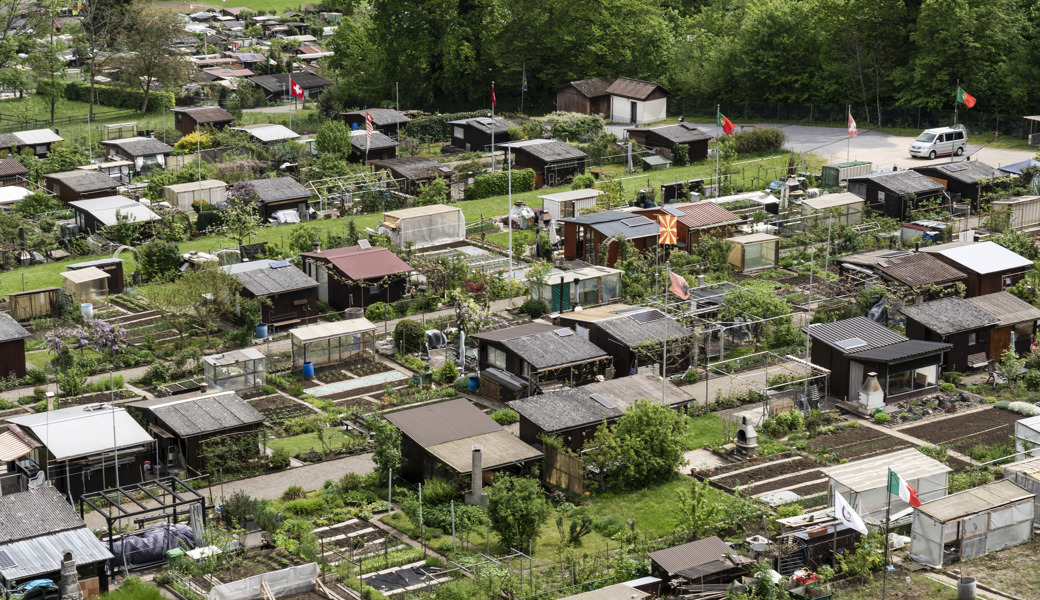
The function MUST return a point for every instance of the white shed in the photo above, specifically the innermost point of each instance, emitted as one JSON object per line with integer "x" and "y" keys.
{"x": 181, "y": 195}
{"x": 1027, "y": 438}
{"x": 425, "y": 226}
{"x": 564, "y": 205}
{"x": 864, "y": 483}
{"x": 843, "y": 208}
{"x": 1026, "y": 475}
{"x": 972, "y": 523}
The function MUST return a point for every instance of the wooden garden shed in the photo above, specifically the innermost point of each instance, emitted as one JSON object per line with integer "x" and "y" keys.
{"x": 30, "y": 304}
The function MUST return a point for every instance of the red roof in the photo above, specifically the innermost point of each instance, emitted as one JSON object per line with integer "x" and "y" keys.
{"x": 363, "y": 263}
{"x": 698, "y": 215}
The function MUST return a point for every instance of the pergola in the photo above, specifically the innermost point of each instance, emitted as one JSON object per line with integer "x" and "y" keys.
{"x": 328, "y": 343}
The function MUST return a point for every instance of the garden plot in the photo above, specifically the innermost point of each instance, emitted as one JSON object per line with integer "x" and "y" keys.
{"x": 770, "y": 477}
{"x": 277, "y": 408}
{"x": 353, "y": 539}
{"x": 232, "y": 568}
{"x": 407, "y": 578}
{"x": 987, "y": 427}
{"x": 852, "y": 443}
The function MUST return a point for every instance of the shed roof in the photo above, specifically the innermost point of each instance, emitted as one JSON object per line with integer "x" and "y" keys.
{"x": 233, "y": 357}
{"x": 33, "y": 513}
{"x": 205, "y": 184}
{"x": 359, "y": 263}
{"x": 682, "y": 133}
{"x": 107, "y": 210}
{"x": 1029, "y": 466}
{"x": 1008, "y": 308}
{"x": 190, "y": 417}
{"x": 872, "y": 473}
{"x": 11, "y": 329}
{"x": 856, "y": 334}
{"x": 266, "y": 132}
{"x": 832, "y": 200}
{"x": 443, "y": 422}
{"x": 139, "y": 146}
{"x": 207, "y": 114}
{"x": 753, "y": 238}
{"x": 695, "y": 553}
{"x": 412, "y": 167}
{"x": 85, "y": 275}
{"x": 15, "y": 444}
{"x": 614, "y": 222}
{"x": 83, "y": 430}
{"x": 498, "y": 449}
{"x": 593, "y": 88}
{"x": 485, "y": 124}
{"x": 985, "y": 498}
{"x": 703, "y": 215}
{"x": 637, "y": 89}
{"x": 421, "y": 211}
{"x": 648, "y": 325}
{"x": 359, "y": 140}
{"x": 508, "y": 333}
{"x": 10, "y": 167}
{"x": 966, "y": 171}
{"x": 548, "y": 151}
{"x": 83, "y": 182}
{"x": 280, "y": 189}
{"x": 328, "y": 331}
{"x": 901, "y": 352}
{"x": 280, "y": 81}
{"x": 554, "y": 349}
{"x": 985, "y": 257}
{"x": 37, "y": 136}
{"x": 901, "y": 182}
{"x": 267, "y": 277}
{"x": 918, "y": 268}
{"x": 572, "y": 195}
{"x": 947, "y": 316}
{"x": 380, "y": 116}
{"x": 618, "y": 591}
{"x": 590, "y": 272}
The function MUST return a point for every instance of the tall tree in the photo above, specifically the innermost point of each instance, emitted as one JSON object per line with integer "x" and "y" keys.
{"x": 517, "y": 509}
{"x": 149, "y": 34}
{"x": 101, "y": 22}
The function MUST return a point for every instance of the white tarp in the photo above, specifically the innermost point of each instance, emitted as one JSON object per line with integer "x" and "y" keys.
{"x": 286, "y": 216}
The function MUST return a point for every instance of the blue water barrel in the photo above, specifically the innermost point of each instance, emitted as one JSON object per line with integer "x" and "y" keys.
{"x": 308, "y": 369}
{"x": 261, "y": 330}
{"x": 474, "y": 383}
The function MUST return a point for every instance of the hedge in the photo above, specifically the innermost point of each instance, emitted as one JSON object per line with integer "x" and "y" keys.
{"x": 497, "y": 184}
{"x": 435, "y": 127}
{"x": 755, "y": 141}
{"x": 106, "y": 95}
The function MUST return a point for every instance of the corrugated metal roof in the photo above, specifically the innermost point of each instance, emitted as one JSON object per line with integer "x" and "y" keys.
{"x": 988, "y": 497}
{"x": 986, "y": 257}
{"x": 677, "y": 558}
{"x": 263, "y": 277}
{"x": 83, "y": 182}
{"x": 947, "y": 316}
{"x": 443, "y": 422}
{"x": 1007, "y": 308}
{"x": 29, "y": 514}
{"x": 508, "y": 333}
{"x": 903, "y": 351}
{"x": 85, "y": 275}
{"x": 363, "y": 263}
{"x": 618, "y": 591}
{"x": 498, "y": 449}
{"x": 918, "y": 268}
{"x": 328, "y": 331}
{"x": 266, "y": 132}
{"x": 874, "y": 334}
{"x": 872, "y": 473}
{"x": 704, "y": 214}
{"x": 549, "y": 349}
{"x": 832, "y": 200}
{"x": 83, "y": 430}
{"x": 10, "y": 329}
{"x": 637, "y": 89}
{"x": 44, "y": 554}
{"x": 37, "y": 136}
{"x": 190, "y": 417}
{"x": 13, "y": 446}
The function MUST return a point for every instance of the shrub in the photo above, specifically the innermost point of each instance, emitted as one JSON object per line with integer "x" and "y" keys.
{"x": 680, "y": 155}
{"x": 157, "y": 374}
{"x": 583, "y": 181}
{"x": 448, "y": 373}
{"x": 692, "y": 376}
{"x": 497, "y": 184}
{"x": 279, "y": 459}
{"x": 351, "y": 481}
{"x": 758, "y": 140}
{"x": 409, "y": 336}
{"x": 379, "y": 311}
{"x": 118, "y": 97}
{"x": 534, "y": 308}
{"x": 505, "y": 416}
{"x": 305, "y": 506}
{"x": 1024, "y": 408}
{"x": 947, "y": 388}
{"x": 881, "y": 418}
{"x": 36, "y": 376}
{"x": 437, "y": 490}
{"x": 435, "y": 128}
{"x": 1032, "y": 381}
{"x": 359, "y": 497}
{"x": 293, "y": 492}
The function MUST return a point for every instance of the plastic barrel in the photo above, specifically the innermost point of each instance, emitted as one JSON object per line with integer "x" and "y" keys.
{"x": 261, "y": 330}
{"x": 308, "y": 369}
{"x": 966, "y": 588}
{"x": 474, "y": 383}
{"x": 87, "y": 310}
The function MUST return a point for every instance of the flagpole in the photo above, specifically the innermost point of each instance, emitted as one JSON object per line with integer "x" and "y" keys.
{"x": 664, "y": 357}
{"x": 718, "y": 184}
{"x": 888, "y": 516}
{"x": 523, "y": 88}
{"x": 509, "y": 215}
{"x": 955, "y": 94}
{"x": 493, "y": 146}
{"x": 848, "y": 145}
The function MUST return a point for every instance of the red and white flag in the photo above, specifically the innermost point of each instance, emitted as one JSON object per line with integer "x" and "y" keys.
{"x": 368, "y": 130}
{"x": 853, "y": 132}
{"x": 295, "y": 89}
{"x": 493, "y": 102}
{"x": 680, "y": 287}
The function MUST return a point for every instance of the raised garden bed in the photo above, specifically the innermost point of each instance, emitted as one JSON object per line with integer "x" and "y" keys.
{"x": 277, "y": 408}
{"x": 852, "y": 443}
{"x": 184, "y": 386}
{"x": 791, "y": 482}
{"x": 248, "y": 565}
{"x": 93, "y": 398}
{"x": 766, "y": 471}
{"x": 360, "y": 368}
{"x": 978, "y": 428}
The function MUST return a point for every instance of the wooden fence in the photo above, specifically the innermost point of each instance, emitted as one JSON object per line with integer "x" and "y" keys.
{"x": 563, "y": 470}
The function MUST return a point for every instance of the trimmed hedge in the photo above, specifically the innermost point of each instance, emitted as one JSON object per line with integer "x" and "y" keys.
{"x": 435, "y": 127}
{"x": 497, "y": 184}
{"x": 106, "y": 95}
{"x": 764, "y": 139}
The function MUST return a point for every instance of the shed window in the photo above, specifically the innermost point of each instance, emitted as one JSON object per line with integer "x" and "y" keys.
{"x": 496, "y": 358}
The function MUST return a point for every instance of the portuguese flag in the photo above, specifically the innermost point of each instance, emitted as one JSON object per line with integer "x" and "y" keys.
{"x": 965, "y": 98}
{"x": 727, "y": 125}
{"x": 897, "y": 486}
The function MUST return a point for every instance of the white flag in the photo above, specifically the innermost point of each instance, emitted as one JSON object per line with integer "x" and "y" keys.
{"x": 844, "y": 512}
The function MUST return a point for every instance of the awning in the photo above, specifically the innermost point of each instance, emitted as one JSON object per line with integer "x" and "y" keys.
{"x": 13, "y": 447}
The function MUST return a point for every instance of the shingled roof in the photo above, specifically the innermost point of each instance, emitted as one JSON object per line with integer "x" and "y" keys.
{"x": 139, "y": 146}
{"x": 947, "y": 316}
{"x": 278, "y": 189}
{"x": 267, "y": 277}
{"x": 189, "y": 417}
{"x": 901, "y": 182}
{"x": 917, "y": 269}
{"x": 548, "y": 151}
{"x": 84, "y": 182}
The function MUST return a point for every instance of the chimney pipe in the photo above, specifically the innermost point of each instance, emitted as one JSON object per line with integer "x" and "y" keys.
{"x": 700, "y": 281}
{"x": 317, "y": 243}
{"x": 917, "y": 246}
{"x": 476, "y": 493}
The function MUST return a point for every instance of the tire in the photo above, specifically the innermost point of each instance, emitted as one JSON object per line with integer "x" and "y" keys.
{"x": 960, "y": 151}
{"x": 931, "y": 155}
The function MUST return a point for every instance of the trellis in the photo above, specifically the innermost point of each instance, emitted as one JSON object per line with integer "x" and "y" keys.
{"x": 346, "y": 187}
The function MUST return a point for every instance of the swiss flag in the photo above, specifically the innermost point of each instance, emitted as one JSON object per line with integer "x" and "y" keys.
{"x": 295, "y": 89}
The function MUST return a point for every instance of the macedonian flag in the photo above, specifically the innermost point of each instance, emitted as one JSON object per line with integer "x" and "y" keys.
{"x": 669, "y": 230}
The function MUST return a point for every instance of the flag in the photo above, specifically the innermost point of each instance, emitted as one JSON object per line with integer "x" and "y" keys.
{"x": 843, "y": 511}
{"x": 295, "y": 89}
{"x": 493, "y": 102}
{"x": 680, "y": 287}
{"x": 669, "y": 229}
{"x": 368, "y": 130}
{"x": 525, "y": 79}
{"x": 853, "y": 132}
{"x": 724, "y": 123}
{"x": 965, "y": 98}
{"x": 900, "y": 488}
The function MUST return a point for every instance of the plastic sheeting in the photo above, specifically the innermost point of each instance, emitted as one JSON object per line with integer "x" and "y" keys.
{"x": 436, "y": 339}
{"x": 150, "y": 545}
{"x": 285, "y": 582}
{"x": 979, "y": 534}
{"x": 426, "y": 226}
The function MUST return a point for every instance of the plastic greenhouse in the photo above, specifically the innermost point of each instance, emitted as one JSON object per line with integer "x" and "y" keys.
{"x": 328, "y": 343}
{"x": 755, "y": 251}
{"x": 425, "y": 226}
{"x": 864, "y": 483}
{"x": 235, "y": 370}
{"x": 971, "y": 523}
{"x": 1026, "y": 475}
{"x": 586, "y": 286}
{"x": 1027, "y": 438}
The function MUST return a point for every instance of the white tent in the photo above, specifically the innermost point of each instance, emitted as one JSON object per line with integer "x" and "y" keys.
{"x": 972, "y": 523}
{"x": 425, "y": 226}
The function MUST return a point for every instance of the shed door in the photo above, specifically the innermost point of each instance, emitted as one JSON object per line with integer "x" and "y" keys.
{"x": 999, "y": 340}
{"x": 634, "y": 107}
{"x": 855, "y": 380}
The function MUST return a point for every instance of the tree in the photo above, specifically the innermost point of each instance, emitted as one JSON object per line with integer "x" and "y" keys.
{"x": 334, "y": 138}
{"x": 537, "y": 276}
{"x": 197, "y": 299}
{"x": 517, "y": 509}
{"x": 37, "y": 203}
{"x": 242, "y": 215}
{"x": 101, "y": 22}
{"x": 158, "y": 260}
{"x": 149, "y": 35}
{"x": 435, "y": 192}
{"x": 644, "y": 447}
{"x": 387, "y": 451}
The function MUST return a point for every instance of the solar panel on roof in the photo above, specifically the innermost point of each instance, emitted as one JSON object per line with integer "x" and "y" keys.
{"x": 673, "y": 211}
{"x": 364, "y": 244}
{"x": 913, "y": 174}
{"x": 602, "y": 401}
{"x": 954, "y": 167}
{"x": 647, "y": 317}
{"x": 563, "y": 332}
{"x": 634, "y": 221}
{"x": 5, "y": 560}
{"x": 279, "y": 264}
{"x": 850, "y": 343}
{"x": 893, "y": 254}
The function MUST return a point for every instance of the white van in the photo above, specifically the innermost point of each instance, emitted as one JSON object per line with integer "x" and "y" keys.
{"x": 941, "y": 141}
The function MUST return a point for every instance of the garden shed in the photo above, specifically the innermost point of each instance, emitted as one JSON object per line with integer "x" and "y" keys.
{"x": 96, "y": 214}
{"x": 12, "y": 347}
{"x": 864, "y": 483}
{"x": 564, "y": 205}
{"x": 618, "y": 591}
{"x": 235, "y": 370}
{"x": 112, "y": 266}
{"x": 586, "y": 286}
{"x": 88, "y": 285}
{"x": 188, "y": 119}
{"x": 695, "y": 220}
{"x": 836, "y": 209}
{"x": 1023, "y": 212}
{"x": 356, "y": 277}
{"x": 79, "y": 184}
{"x": 146, "y": 153}
{"x": 182, "y": 195}
{"x": 754, "y": 251}
{"x": 387, "y": 120}
{"x": 990, "y": 267}
{"x": 667, "y": 137}
{"x": 971, "y": 523}
{"x": 329, "y": 343}
{"x": 30, "y": 304}
{"x": 707, "y": 560}
{"x": 425, "y": 226}
{"x": 554, "y": 162}
{"x": 293, "y": 296}
{"x": 584, "y": 235}
{"x": 963, "y": 179}
{"x": 897, "y": 194}
{"x": 478, "y": 133}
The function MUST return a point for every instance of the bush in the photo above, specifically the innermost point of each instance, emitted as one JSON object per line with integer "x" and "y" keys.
{"x": 1024, "y": 408}
{"x": 379, "y": 311}
{"x": 583, "y": 181}
{"x": 437, "y": 490}
{"x": 505, "y": 416}
{"x": 497, "y": 184}
{"x": 118, "y": 97}
{"x": 293, "y": 492}
{"x": 692, "y": 376}
{"x": 409, "y": 336}
{"x": 279, "y": 459}
{"x": 758, "y": 140}
{"x": 448, "y": 373}
{"x": 435, "y": 128}
{"x": 36, "y": 376}
{"x": 1032, "y": 381}
{"x": 157, "y": 374}
{"x": 534, "y": 308}
{"x": 304, "y": 507}
{"x": 881, "y": 418}
{"x": 351, "y": 481}
{"x": 680, "y": 155}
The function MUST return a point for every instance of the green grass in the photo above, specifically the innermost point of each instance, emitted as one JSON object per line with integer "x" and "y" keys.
{"x": 706, "y": 430}
{"x": 308, "y": 441}
{"x": 255, "y": 5}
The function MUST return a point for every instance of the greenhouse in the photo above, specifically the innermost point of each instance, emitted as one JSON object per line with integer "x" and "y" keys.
{"x": 235, "y": 370}
{"x": 328, "y": 343}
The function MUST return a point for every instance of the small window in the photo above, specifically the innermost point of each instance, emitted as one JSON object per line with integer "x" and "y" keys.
{"x": 496, "y": 358}
{"x": 299, "y": 302}
{"x": 374, "y": 289}
{"x": 972, "y": 339}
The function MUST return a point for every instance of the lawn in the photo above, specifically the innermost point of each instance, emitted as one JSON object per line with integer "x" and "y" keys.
{"x": 256, "y": 5}
{"x": 706, "y": 430}
{"x": 334, "y": 438}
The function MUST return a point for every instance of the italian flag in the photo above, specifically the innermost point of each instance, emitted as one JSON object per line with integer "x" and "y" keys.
{"x": 965, "y": 98}
{"x": 900, "y": 488}
{"x": 724, "y": 123}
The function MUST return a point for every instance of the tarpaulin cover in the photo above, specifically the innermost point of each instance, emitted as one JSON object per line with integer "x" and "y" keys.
{"x": 150, "y": 545}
